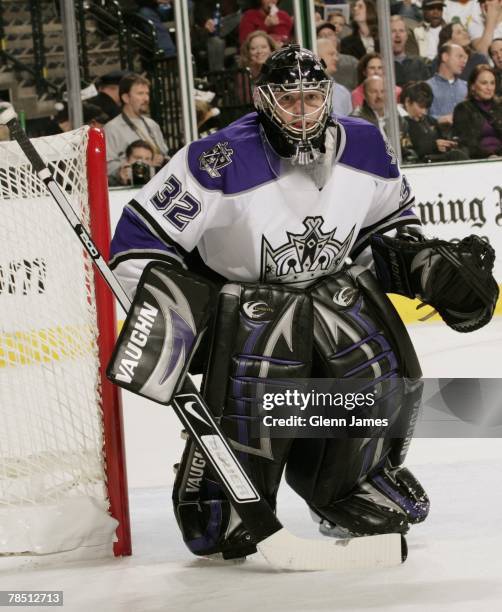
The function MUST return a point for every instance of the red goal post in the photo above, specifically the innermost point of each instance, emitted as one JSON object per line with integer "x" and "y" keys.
{"x": 97, "y": 183}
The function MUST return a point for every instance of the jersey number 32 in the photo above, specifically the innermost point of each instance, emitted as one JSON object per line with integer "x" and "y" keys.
{"x": 180, "y": 209}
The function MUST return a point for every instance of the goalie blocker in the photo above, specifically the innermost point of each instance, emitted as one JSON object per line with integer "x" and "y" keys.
{"x": 164, "y": 326}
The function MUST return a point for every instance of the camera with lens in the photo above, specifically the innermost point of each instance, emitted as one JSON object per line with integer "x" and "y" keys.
{"x": 141, "y": 173}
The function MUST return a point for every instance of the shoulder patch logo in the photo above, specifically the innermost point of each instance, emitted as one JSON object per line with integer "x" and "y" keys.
{"x": 390, "y": 152}
{"x": 216, "y": 158}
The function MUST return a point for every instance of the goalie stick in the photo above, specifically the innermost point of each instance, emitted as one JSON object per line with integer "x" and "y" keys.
{"x": 280, "y": 548}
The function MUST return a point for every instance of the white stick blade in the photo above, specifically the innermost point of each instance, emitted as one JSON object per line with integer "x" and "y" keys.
{"x": 286, "y": 551}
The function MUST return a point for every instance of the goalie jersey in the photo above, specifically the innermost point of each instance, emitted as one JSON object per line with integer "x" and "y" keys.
{"x": 254, "y": 218}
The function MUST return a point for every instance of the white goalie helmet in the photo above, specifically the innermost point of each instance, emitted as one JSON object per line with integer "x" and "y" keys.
{"x": 293, "y": 98}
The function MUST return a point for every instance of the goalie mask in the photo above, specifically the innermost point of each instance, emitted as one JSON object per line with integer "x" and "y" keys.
{"x": 293, "y": 98}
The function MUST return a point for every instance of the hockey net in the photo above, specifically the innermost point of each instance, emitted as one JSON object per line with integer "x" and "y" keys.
{"x": 62, "y": 476}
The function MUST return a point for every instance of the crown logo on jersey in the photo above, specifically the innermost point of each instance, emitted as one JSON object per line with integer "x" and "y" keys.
{"x": 306, "y": 256}
{"x": 216, "y": 158}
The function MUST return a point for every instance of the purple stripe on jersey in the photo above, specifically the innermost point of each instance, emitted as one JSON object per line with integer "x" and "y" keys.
{"x": 132, "y": 234}
{"x": 233, "y": 159}
{"x": 366, "y": 150}
{"x": 390, "y": 223}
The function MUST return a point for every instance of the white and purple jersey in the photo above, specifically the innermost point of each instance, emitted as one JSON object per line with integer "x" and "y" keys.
{"x": 231, "y": 199}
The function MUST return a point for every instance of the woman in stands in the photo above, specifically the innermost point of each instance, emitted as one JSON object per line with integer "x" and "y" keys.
{"x": 265, "y": 15}
{"x": 364, "y": 37}
{"x": 477, "y": 122}
{"x": 255, "y": 50}
{"x": 369, "y": 65}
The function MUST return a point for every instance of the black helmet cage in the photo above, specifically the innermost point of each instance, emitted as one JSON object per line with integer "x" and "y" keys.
{"x": 298, "y": 135}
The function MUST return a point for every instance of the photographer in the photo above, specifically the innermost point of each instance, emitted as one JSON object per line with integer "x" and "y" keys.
{"x": 137, "y": 167}
{"x": 132, "y": 124}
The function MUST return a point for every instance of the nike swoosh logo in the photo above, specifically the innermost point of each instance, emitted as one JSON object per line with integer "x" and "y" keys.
{"x": 188, "y": 407}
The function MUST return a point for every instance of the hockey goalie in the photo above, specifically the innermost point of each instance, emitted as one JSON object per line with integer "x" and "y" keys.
{"x": 248, "y": 238}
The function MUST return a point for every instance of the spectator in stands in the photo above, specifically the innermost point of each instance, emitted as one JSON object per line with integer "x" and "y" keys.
{"x": 108, "y": 93}
{"x": 137, "y": 167}
{"x": 133, "y": 124}
{"x": 158, "y": 11}
{"x": 487, "y": 26}
{"x": 364, "y": 37}
{"x": 208, "y": 118}
{"x": 337, "y": 19}
{"x": 422, "y": 130}
{"x": 427, "y": 33}
{"x": 495, "y": 52}
{"x": 406, "y": 68}
{"x": 212, "y": 27}
{"x": 369, "y": 65}
{"x": 318, "y": 12}
{"x": 346, "y": 73}
{"x": 477, "y": 122}
{"x": 373, "y": 107}
{"x": 268, "y": 17}
{"x": 408, "y": 9}
{"x": 92, "y": 115}
{"x": 327, "y": 30}
{"x": 463, "y": 11}
{"x": 448, "y": 89}
{"x": 255, "y": 50}
{"x": 456, "y": 33}
{"x": 341, "y": 102}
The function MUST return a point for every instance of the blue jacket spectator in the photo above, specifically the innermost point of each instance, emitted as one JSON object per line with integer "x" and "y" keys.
{"x": 159, "y": 11}
{"x": 447, "y": 88}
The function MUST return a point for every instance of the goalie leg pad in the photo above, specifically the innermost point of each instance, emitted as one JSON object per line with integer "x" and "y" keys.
{"x": 167, "y": 319}
{"x": 261, "y": 332}
{"x": 358, "y": 334}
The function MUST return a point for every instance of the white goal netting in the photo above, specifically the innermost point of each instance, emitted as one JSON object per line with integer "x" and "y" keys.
{"x": 53, "y": 494}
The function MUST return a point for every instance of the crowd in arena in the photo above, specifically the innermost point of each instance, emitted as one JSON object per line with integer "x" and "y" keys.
{"x": 447, "y": 65}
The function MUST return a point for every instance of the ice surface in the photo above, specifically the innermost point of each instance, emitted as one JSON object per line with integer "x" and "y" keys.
{"x": 454, "y": 561}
